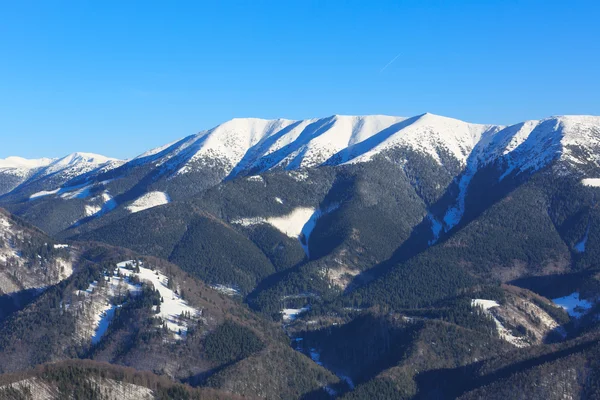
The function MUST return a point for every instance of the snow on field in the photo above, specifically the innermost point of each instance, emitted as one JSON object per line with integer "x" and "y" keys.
{"x": 61, "y": 246}
{"x": 298, "y": 224}
{"x": 102, "y": 322}
{"x": 455, "y": 214}
{"x": 309, "y": 225}
{"x": 172, "y": 306}
{"x": 43, "y": 193}
{"x": 293, "y": 223}
{"x": 290, "y": 314}
{"x": 103, "y": 299}
{"x": 90, "y": 210}
{"x": 290, "y": 224}
{"x": 149, "y": 200}
{"x": 277, "y": 199}
{"x": 573, "y": 304}
{"x": 485, "y": 304}
{"x": 81, "y": 191}
{"x": 593, "y": 182}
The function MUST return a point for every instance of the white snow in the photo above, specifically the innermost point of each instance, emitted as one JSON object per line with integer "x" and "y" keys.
{"x": 255, "y": 178}
{"x": 61, "y": 246}
{"x": 592, "y": 182}
{"x": 116, "y": 287}
{"x": 23, "y": 163}
{"x": 43, "y": 193}
{"x": 173, "y": 305}
{"x": 149, "y": 200}
{"x": 428, "y": 134}
{"x": 76, "y": 192}
{"x": 80, "y": 191}
{"x": 485, "y": 304}
{"x": 298, "y": 224}
{"x": 226, "y": 290}
{"x": 574, "y": 305}
{"x": 277, "y": 199}
{"x": 290, "y": 314}
{"x": 90, "y": 210}
{"x": 103, "y": 321}
{"x": 504, "y": 333}
{"x": 290, "y": 224}
{"x": 293, "y": 223}
{"x": 77, "y": 163}
{"x": 4, "y": 221}
{"x": 309, "y": 225}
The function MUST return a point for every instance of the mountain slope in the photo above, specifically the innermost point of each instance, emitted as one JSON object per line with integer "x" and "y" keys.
{"x": 16, "y": 170}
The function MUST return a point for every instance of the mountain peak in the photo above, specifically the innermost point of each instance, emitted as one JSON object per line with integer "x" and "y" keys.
{"x": 24, "y": 163}
{"x": 84, "y": 157}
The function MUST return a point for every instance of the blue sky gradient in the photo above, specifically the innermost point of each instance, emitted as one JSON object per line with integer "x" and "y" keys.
{"x": 119, "y": 77}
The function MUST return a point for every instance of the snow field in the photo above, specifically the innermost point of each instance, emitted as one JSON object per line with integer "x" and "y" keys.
{"x": 149, "y": 200}
{"x": 591, "y": 182}
{"x": 574, "y": 305}
{"x": 119, "y": 284}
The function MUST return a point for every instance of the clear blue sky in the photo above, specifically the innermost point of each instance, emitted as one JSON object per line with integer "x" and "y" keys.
{"x": 118, "y": 77}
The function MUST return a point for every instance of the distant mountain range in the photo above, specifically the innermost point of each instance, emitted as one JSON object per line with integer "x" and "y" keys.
{"x": 420, "y": 257}
{"x": 246, "y": 147}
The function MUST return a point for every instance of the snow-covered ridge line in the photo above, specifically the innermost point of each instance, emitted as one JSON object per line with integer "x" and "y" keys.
{"x": 251, "y": 146}
{"x": 24, "y": 163}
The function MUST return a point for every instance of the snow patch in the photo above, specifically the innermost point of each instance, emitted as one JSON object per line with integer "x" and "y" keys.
{"x": 592, "y": 182}
{"x": 149, "y": 200}
{"x": 172, "y": 306}
{"x": 226, "y": 290}
{"x": 290, "y": 224}
{"x": 574, "y": 305}
{"x": 298, "y": 224}
{"x": 103, "y": 321}
{"x": 43, "y": 193}
{"x": 505, "y": 334}
{"x": 255, "y": 178}
{"x": 290, "y": 314}
{"x": 485, "y": 304}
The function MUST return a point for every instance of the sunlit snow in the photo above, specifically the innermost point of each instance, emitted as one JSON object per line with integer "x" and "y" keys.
{"x": 290, "y": 314}
{"x": 149, "y": 200}
{"x": 593, "y": 182}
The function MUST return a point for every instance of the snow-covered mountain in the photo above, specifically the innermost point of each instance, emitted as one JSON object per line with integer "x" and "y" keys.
{"x": 16, "y": 170}
{"x": 24, "y": 178}
{"x": 251, "y": 146}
